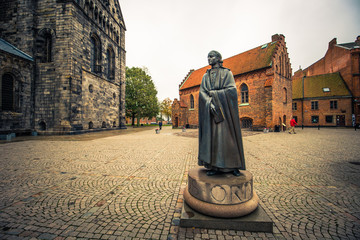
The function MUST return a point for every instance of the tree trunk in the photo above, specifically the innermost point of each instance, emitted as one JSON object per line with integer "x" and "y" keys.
{"x": 133, "y": 120}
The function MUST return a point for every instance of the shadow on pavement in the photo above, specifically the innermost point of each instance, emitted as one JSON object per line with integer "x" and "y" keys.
{"x": 81, "y": 137}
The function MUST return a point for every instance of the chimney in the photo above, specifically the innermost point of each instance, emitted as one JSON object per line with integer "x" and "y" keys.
{"x": 332, "y": 42}
{"x": 277, "y": 37}
{"x": 358, "y": 39}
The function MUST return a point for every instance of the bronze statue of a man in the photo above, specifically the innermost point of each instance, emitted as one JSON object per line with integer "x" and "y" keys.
{"x": 220, "y": 141}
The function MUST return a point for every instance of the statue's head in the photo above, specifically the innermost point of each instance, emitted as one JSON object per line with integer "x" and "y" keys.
{"x": 214, "y": 57}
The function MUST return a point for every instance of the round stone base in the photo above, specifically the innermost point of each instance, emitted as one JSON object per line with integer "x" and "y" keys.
{"x": 223, "y": 195}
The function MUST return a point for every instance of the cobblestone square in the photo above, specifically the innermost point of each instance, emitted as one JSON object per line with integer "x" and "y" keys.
{"x": 129, "y": 186}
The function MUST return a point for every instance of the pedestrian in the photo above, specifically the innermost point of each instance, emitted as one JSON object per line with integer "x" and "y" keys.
{"x": 160, "y": 124}
{"x": 292, "y": 126}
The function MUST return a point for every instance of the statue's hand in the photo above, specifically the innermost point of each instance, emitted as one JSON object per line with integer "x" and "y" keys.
{"x": 211, "y": 93}
{"x": 212, "y": 107}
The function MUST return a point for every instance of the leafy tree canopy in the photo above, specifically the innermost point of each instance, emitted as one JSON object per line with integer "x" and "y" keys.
{"x": 140, "y": 99}
{"x": 165, "y": 107}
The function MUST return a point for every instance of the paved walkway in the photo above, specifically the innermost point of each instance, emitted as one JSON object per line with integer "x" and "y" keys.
{"x": 130, "y": 186}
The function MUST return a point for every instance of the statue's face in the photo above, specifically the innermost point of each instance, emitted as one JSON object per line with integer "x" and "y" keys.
{"x": 213, "y": 58}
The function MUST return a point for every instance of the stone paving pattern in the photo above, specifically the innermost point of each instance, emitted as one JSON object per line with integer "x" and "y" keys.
{"x": 130, "y": 186}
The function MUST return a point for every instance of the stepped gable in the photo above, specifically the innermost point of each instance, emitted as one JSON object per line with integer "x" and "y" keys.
{"x": 183, "y": 81}
{"x": 254, "y": 59}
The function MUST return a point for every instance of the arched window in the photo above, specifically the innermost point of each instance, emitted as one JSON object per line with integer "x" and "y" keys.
{"x": 44, "y": 45}
{"x": 110, "y": 56}
{"x": 100, "y": 18}
{"x": 283, "y": 64}
{"x": 10, "y": 93}
{"x": 192, "y": 102}
{"x": 95, "y": 54}
{"x": 48, "y": 48}
{"x": 280, "y": 63}
{"x": 244, "y": 93}
{"x": 96, "y": 14}
{"x": 285, "y": 95}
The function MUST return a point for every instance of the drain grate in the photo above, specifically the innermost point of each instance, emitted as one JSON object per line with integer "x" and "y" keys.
{"x": 355, "y": 163}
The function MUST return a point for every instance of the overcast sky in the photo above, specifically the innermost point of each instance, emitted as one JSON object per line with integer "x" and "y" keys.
{"x": 170, "y": 37}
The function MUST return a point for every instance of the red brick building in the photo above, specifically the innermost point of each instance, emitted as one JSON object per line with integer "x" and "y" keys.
{"x": 263, "y": 79}
{"x": 327, "y": 93}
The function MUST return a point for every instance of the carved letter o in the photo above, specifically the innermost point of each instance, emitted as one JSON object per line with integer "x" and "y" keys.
{"x": 218, "y": 193}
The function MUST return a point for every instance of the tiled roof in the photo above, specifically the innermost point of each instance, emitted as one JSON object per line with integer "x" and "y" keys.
{"x": 350, "y": 45}
{"x": 7, "y": 47}
{"x": 254, "y": 59}
{"x": 325, "y": 85}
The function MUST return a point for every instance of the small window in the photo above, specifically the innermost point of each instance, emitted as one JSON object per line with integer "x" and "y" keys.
{"x": 48, "y": 48}
{"x": 314, "y": 105}
{"x": 285, "y": 95}
{"x": 329, "y": 119}
{"x": 44, "y": 45}
{"x": 91, "y": 88}
{"x": 325, "y": 89}
{"x": 244, "y": 93}
{"x": 95, "y": 54}
{"x": 110, "y": 55}
{"x": 192, "y": 102}
{"x": 294, "y": 106}
{"x": 333, "y": 105}
{"x": 314, "y": 119}
{"x": 246, "y": 122}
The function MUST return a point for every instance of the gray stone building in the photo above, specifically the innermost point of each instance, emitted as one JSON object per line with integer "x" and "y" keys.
{"x": 62, "y": 65}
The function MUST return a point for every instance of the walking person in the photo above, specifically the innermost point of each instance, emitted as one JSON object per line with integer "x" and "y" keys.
{"x": 292, "y": 126}
{"x": 160, "y": 124}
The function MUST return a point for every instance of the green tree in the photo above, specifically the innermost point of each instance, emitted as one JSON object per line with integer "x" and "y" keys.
{"x": 140, "y": 99}
{"x": 165, "y": 108}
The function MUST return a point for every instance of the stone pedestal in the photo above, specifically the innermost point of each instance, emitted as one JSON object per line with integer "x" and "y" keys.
{"x": 257, "y": 221}
{"x": 223, "y": 195}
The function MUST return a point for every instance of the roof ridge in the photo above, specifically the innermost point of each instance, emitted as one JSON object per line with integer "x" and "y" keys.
{"x": 251, "y": 60}
{"x": 324, "y": 74}
{"x": 16, "y": 51}
{"x": 252, "y": 49}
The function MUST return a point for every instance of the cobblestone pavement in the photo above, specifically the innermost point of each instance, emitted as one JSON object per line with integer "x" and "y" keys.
{"x": 130, "y": 186}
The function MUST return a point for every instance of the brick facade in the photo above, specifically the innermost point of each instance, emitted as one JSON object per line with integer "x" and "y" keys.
{"x": 344, "y": 60}
{"x": 265, "y": 71}
{"x": 78, "y": 47}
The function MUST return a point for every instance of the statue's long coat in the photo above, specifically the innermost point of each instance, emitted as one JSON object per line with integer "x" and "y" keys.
{"x": 220, "y": 144}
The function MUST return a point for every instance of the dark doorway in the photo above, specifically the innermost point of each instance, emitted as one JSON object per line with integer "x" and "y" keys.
{"x": 340, "y": 120}
{"x": 42, "y": 126}
{"x": 176, "y": 122}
